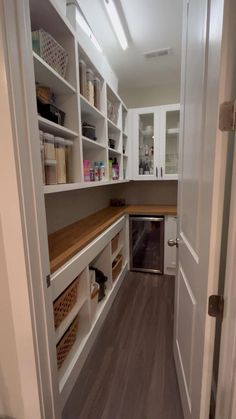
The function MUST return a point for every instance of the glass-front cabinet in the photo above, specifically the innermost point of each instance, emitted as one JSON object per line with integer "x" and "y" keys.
{"x": 155, "y": 134}
{"x": 170, "y": 115}
{"x": 146, "y": 146}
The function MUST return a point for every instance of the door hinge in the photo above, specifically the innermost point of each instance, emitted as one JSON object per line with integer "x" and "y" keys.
{"x": 216, "y": 306}
{"x": 48, "y": 280}
{"x": 227, "y": 117}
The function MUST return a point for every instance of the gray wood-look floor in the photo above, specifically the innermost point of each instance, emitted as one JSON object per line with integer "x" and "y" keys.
{"x": 130, "y": 372}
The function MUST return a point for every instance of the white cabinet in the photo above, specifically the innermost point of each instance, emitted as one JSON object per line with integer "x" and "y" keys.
{"x": 169, "y": 138}
{"x": 154, "y": 134}
{"x": 170, "y": 252}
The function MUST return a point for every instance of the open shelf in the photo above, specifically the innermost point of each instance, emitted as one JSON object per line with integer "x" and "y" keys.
{"x": 114, "y": 152}
{"x": 113, "y": 128}
{"x": 90, "y": 144}
{"x": 69, "y": 319}
{"x": 70, "y": 364}
{"x": 90, "y": 110}
{"x": 47, "y": 76}
{"x": 52, "y": 128}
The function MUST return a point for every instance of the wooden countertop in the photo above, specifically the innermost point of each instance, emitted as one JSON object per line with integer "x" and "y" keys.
{"x": 65, "y": 243}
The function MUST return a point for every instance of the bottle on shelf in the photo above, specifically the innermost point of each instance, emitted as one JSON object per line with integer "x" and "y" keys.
{"x": 115, "y": 169}
{"x": 96, "y": 171}
{"x": 110, "y": 168}
{"x": 146, "y": 169}
{"x": 102, "y": 173}
{"x": 86, "y": 166}
{"x": 141, "y": 167}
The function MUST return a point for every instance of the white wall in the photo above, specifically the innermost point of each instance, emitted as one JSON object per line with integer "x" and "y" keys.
{"x": 65, "y": 208}
{"x": 150, "y": 96}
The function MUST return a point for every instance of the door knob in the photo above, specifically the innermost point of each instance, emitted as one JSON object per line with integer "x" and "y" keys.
{"x": 173, "y": 243}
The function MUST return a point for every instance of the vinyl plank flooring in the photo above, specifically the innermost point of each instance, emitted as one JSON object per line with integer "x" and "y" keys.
{"x": 130, "y": 372}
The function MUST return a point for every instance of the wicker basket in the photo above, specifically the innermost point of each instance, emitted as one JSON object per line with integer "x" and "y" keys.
{"x": 116, "y": 267}
{"x": 50, "y": 51}
{"x": 65, "y": 302}
{"x": 66, "y": 342}
{"x": 114, "y": 243}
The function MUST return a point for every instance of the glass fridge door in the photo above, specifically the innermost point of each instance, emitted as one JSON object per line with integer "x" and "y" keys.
{"x": 147, "y": 244}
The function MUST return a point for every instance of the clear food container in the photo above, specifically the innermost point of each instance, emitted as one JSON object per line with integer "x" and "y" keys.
{"x": 90, "y": 86}
{"x": 97, "y": 93}
{"x": 42, "y": 153}
{"x": 49, "y": 147}
{"x": 69, "y": 160}
{"x": 61, "y": 159}
{"x": 82, "y": 78}
{"x": 50, "y": 172}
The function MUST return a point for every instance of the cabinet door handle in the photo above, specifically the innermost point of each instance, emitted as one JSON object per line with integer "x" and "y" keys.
{"x": 157, "y": 172}
{"x": 161, "y": 172}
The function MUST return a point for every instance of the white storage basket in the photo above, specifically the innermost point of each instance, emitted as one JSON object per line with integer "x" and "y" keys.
{"x": 50, "y": 51}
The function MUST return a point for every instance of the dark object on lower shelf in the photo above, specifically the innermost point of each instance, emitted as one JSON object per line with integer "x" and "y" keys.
{"x": 116, "y": 202}
{"x": 100, "y": 279}
{"x": 89, "y": 131}
{"x": 51, "y": 112}
{"x": 111, "y": 143}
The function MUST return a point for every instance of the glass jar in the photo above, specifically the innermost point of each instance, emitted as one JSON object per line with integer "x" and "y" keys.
{"x": 97, "y": 93}
{"x": 82, "y": 78}
{"x": 49, "y": 147}
{"x": 90, "y": 86}
{"x": 61, "y": 159}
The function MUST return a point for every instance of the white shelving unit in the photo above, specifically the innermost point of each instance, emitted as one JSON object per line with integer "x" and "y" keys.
{"x": 98, "y": 254}
{"x": 77, "y": 107}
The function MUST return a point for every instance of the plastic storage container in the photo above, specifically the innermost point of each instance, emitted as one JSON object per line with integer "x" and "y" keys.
{"x": 83, "y": 77}
{"x": 97, "y": 93}
{"x": 69, "y": 159}
{"x": 90, "y": 86}
{"x": 41, "y": 138}
{"x": 49, "y": 147}
{"x": 50, "y": 172}
{"x": 61, "y": 159}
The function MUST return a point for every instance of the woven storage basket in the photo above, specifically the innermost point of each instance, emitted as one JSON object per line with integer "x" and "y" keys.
{"x": 114, "y": 243}
{"x": 65, "y": 302}
{"x": 50, "y": 51}
{"x": 67, "y": 341}
{"x": 116, "y": 267}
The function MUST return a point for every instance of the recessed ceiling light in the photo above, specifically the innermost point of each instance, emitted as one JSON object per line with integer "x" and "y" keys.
{"x": 116, "y": 23}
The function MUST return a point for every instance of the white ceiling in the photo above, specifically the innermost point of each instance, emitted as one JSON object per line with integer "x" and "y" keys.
{"x": 152, "y": 24}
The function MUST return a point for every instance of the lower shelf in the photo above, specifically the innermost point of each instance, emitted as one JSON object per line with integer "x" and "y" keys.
{"x": 74, "y": 362}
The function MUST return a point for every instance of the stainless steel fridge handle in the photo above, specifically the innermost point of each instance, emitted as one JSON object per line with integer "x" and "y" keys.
{"x": 156, "y": 171}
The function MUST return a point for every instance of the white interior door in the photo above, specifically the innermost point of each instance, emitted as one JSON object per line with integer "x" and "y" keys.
{"x": 199, "y": 203}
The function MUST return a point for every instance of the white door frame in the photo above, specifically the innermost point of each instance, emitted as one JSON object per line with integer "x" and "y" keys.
{"x": 24, "y": 190}
{"x": 226, "y": 390}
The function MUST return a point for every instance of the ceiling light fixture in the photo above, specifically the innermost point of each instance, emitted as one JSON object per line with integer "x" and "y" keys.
{"x": 116, "y": 23}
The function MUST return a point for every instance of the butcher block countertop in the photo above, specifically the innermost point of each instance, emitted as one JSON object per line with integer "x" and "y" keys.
{"x": 65, "y": 243}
